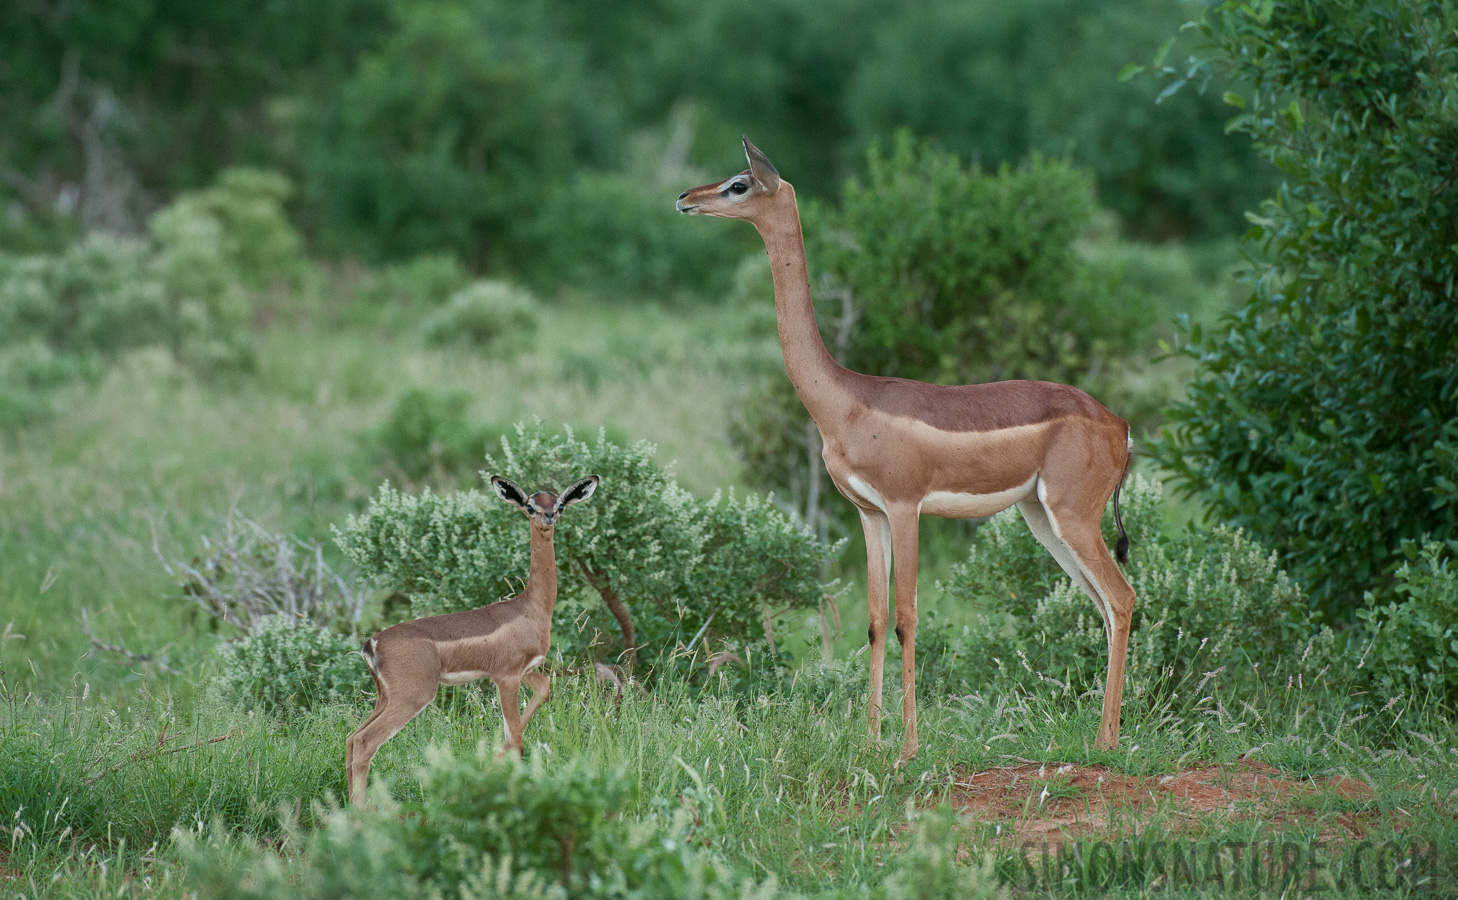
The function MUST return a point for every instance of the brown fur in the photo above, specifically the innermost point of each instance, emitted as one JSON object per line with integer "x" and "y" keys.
{"x": 503, "y": 641}
{"x": 893, "y": 446}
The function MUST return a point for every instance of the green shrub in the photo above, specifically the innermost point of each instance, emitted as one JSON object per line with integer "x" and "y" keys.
{"x": 485, "y": 314}
{"x": 1412, "y": 642}
{"x": 428, "y": 437}
{"x": 1209, "y": 601}
{"x": 616, "y": 235}
{"x": 753, "y": 557}
{"x": 938, "y": 863}
{"x": 287, "y": 663}
{"x": 483, "y": 828}
{"x": 424, "y": 282}
{"x": 446, "y": 134}
{"x": 191, "y": 289}
{"x": 255, "y": 240}
{"x": 29, "y": 371}
{"x": 1321, "y": 415}
{"x": 99, "y": 296}
{"x": 635, "y": 561}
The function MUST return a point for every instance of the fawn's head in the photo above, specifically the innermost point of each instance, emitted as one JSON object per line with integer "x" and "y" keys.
{"x": 544, "y": 507}
{"x": 745, "y": 196}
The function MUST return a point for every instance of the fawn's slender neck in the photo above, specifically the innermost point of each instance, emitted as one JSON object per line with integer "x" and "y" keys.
{"x": 817, "y": 377}
{"x": 541, "y": 584}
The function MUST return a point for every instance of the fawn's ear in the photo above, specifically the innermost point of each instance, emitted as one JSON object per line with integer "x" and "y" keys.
{"x": 761, "y": 168}
{"x": 509, "y": 492}
{"x": 579, "y": 491}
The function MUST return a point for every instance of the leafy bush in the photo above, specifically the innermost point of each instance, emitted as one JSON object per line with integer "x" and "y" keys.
{"x": 1321, "y": 414}
{"x": 99, "y": 296}
{"x": 255, "y": 242}
{"x": 428, "y": 437}
{"x": 934, "y": 865}
{"x": 485, "y": 314}
{"x": 424, "y": 282}
{"x": 191, "y": 289}
{"x": 446, "y": 135}
{"x": 616, "y": 235}
{"x": 634, "y": 560}
{"x": 753, "y": 556}
{"x": 1413, "y": 641}
{"x": 29, "y": 371}
{"x": 1208, "y": 601}
{"x": 960, "y": 275}
{"x": 287, "y": 663}
{"x": 484, "y": 828}
{"x": 217, "y": 251}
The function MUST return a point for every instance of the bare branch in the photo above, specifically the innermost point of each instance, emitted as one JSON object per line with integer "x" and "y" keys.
{"x": 157, "y": 660}
{"x": 251, "y": 573}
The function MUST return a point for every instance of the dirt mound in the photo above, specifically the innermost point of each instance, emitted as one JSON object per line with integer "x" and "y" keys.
{"x": 1056, "y": 802}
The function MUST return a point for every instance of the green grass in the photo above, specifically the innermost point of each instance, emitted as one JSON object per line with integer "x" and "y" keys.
{"x": 101, "y": 759}
{"x": 794, "y": 790}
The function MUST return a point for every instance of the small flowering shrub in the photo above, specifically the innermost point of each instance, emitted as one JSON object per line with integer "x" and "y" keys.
{"x": 1207, "y": 601}
{"x": 484, "y": 314}
{"x": 935, "y": 863}
{"x": 190, "y": 288}
{"x": 753, "y": 556}
{"x": 425, "y": 282}
{"x": 289, "y": 663}
{"x": 1411, "y": 645}
{"x": 642, "y": 561}
{"x": 485, "y": 828}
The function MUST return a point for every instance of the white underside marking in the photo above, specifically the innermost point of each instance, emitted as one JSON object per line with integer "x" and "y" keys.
{"x": 460, "y": 677}
{"x": 886, "y": 544}
{"x": 953, "y": 505}
{"x": 866, "y": 493}
{"x": 533, "y": 664}
{"x": 1106, "y": 609}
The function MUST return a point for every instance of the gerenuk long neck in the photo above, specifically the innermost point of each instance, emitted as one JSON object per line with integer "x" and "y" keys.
{"x": 541, "y": 586}
{"x": 817, "y": 377}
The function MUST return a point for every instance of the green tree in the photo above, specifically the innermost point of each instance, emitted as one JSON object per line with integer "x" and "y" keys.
{"x": 448, "y": 135}
{"x": 1324, "y": 413}
{"x": 108, "y": 109}
{"x": 993, "y": 81}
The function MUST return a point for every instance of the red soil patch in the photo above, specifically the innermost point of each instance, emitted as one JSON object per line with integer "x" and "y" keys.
{"x": 1060, "y": 802}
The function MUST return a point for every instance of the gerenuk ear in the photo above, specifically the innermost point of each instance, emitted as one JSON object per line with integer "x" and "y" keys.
{"x": 578, "y": 492}
{"x": 761, "y": 168}
{"x": 509, "y": 492}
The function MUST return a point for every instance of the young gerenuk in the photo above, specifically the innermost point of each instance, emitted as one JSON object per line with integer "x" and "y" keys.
{"x": 504, "y": 641}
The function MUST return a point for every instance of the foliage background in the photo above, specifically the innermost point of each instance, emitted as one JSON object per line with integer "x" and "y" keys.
{"x": 1330, "y": 394}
